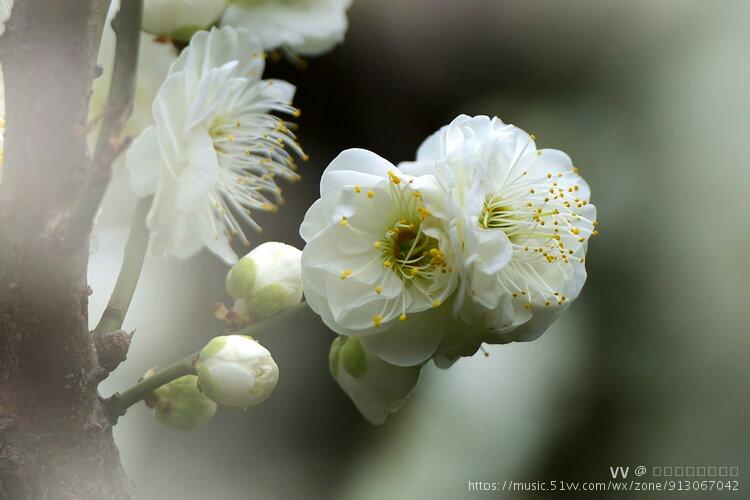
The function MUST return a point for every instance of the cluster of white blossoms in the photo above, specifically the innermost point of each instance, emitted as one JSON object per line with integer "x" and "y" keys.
{"x": 481, "y": 239}
{"x": 305, "y": 27}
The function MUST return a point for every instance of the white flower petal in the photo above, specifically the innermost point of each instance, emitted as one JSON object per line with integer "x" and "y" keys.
{"x": 144, "y": 163}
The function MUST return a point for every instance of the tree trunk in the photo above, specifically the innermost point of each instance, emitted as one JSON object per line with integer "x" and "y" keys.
{"x": 55, "y": 435}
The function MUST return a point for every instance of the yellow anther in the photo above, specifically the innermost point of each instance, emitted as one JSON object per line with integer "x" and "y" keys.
{"x": 357, "y": 189}
{"x": 377, "y": 319}
{"x": 394, "y": 178}
{"x": 402, "y": 317}
{"x": 378, "y": 289}
{"x": 345, "y": 273}
{"x": 423, "y": 213}
{"x": 378, "y": 244}
{"x": 370, "y": 194}
{"x": 414, "y": 271}
{"x": 343, "y": 222}
{"x": 436, "y": 303}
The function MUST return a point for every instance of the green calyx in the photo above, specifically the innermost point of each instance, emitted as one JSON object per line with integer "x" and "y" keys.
{"x": 215, "y": 345}
{"x": 241, "y": 278}
{"x": 349, "y": 353}
{"x": 181, "y": 405}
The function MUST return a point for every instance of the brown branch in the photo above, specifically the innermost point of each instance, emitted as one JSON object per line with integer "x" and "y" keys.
{"x": 110, "y": 144}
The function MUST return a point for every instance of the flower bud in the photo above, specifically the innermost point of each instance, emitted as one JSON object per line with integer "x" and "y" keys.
{"x": 179, "y": 19}
{"x": 180, "y": 405}
{"x": 236, "y": 371}
{"x": 268, "y": 279}
{"x": 375, "y": 387}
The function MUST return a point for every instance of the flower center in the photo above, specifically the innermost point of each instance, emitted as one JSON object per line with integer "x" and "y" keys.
{"x": 497, "y": 213}
{"x": 411, "y": 254}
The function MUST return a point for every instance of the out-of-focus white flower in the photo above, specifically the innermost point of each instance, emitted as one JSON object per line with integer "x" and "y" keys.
{"x": 376, "y": 387}
{"x": 154, "y": 60}
{"x": 215, "y": 147}
{"x": 307, "y": 27}
{"x": 6, "y": 6}
{"x": 180, "y": 405}
{"x": 236, "y": 371}
{"x": 523, "y": 223}
{"x": 378, "y": 252}
{"x": 180, "y": 19}
{"x": 267, "y": 280}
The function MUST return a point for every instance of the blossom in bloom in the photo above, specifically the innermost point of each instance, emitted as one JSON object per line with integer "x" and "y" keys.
{"x": 307, "y": 27}
{"x": 523, "y": 222}
{"x": 376, "y": 387}
{"x": 214, "y": 149}
{"x": 154, "y": 60}
{"x": 378, "y": 252}
{"x": 180, "y": 19}
{"x": 236, "y": 371}
{"x": 180, "y": 405}
{"x": 267, "y": 280}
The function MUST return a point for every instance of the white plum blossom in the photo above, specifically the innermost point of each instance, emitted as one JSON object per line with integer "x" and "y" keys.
{"x": 236, "y": 371}
{"x": 523, "y": 222}
{"x": 266, "y": 280}
{"x": 215, "y": 147}
{"x": 307, "y": 27}
{"x": 180, "y": 19}
{"x": 377, "y": 253}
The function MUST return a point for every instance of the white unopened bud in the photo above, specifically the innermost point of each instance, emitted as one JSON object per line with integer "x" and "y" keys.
{"x": 180, "y": 405}
{"x": 179, "y": 19}
{"x": 236, "y": 371}
{"x": 268, "y": 279}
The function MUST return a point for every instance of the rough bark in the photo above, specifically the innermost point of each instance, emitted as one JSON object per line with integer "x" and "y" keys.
{"x": 55, "y": 434}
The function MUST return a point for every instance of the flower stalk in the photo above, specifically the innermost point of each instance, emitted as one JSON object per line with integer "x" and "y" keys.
{"x": 120, "y": 402}
{"x": 130, "y": 272}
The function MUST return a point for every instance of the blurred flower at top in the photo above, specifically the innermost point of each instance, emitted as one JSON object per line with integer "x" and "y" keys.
{"x": 180, "y": 19}
{"x": 306, "y": 27}
{"x": 6, "y": 6}
{"x": 214, "y": 149}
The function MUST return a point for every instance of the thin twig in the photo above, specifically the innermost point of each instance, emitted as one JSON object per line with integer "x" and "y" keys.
{"x": 127, "y": 280}
{"x": 109, "y": 145}
{"x": 120, "y": 402}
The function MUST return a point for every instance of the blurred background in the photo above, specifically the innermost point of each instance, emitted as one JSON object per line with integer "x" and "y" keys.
{"x": 649, "y": 367}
